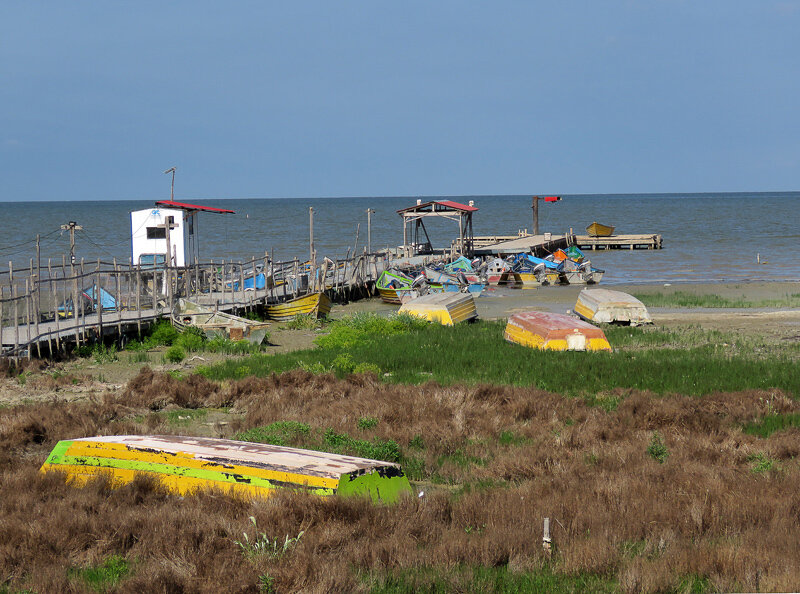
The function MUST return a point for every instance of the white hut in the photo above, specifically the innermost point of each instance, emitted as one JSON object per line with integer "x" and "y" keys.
{"x": 172, "y": 224}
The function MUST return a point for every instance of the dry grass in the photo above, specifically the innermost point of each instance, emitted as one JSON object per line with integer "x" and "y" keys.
{"x": 495, "y": 460}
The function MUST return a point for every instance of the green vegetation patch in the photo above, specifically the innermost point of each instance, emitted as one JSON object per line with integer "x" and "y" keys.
{"x": 691, "y": 300}
{"x": 280, "y": 433}
{"x": 691, "y": 362}
{"x": 103, "y": 577}
{"x": 769, "y": 424}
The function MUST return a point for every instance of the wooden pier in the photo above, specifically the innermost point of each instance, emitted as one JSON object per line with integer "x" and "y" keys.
{"x": 47, "y": 309}
{"x": 619, "y": 242}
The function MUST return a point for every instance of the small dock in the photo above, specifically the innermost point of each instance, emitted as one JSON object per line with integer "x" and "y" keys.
{"x": 619, "y": 242}
{"x": 506, "y": 245}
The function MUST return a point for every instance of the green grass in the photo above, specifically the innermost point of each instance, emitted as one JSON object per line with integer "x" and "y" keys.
{"x": 683, "y": 299}
{"x": 486, "y": 579}
{"x": 103, "y": 577}
{"x": 184, "y": 416}
{"x": 769, "y": 424}
{"x": 690, "y": 362}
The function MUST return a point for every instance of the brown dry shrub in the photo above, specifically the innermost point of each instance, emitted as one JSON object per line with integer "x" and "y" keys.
{"x": 615, "y": 510}
{"x": 158, "y": 390}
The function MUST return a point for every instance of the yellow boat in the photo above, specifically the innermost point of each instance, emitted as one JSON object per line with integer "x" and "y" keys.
{"x": 599, "y": 230}
{"x": 186, "y": 465}
{"x": 444, "y": 308}
{"x": 317, "y": 304}
{"x": 555, "y": 332}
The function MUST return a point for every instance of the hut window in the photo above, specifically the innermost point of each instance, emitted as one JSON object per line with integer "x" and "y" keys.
{"x": 156, "y": 233}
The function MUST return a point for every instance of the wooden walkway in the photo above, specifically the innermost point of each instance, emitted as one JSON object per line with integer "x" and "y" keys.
{"x": 619, "y": 242}
{"x": 37, "y": 316}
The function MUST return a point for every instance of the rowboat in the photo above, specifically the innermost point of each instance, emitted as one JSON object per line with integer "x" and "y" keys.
{"x": 495, "y": 268}
{"x": 584, "y": 274}
{"x": 186, "y": 465}
{"x": 556, "y": 332}
{"x": 599, "y": 230}
{"x": 606, "y": 306}
{"x": 443, "y": 308}
{"x": 392, "y": 285}
{"x": 312, "y": 304}
{"x": 217, "y": 323}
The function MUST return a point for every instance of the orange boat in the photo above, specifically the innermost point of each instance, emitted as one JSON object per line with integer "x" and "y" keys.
{"x": 555, "y": 332}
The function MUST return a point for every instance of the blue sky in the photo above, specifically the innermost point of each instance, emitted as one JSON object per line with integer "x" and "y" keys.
{"x": 302, "y": 99}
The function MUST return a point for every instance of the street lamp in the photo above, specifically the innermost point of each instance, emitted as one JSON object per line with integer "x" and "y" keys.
{"x": 172, "y": 188}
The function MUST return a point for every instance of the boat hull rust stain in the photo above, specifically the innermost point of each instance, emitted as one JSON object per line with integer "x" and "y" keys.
{"x": 555, "y": 332}
{"x": 184, "y": 465}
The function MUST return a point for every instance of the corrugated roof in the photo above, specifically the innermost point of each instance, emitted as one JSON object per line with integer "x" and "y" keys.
{"x": 184, "y": 206}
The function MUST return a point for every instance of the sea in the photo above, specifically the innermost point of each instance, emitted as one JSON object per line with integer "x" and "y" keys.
{"x": 710, "y": 237}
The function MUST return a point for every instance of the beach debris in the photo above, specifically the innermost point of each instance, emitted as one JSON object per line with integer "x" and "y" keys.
{"x": 185, "y": 465}
{"x": 554, "y": 331}
{"x": 605, "y": 306}
{"x": 217, "y": 323}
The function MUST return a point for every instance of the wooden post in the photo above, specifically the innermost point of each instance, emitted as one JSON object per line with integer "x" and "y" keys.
{"x": 16, "y": 318}
{"x": 310, "y": 232}
{"x": 241, "y": 282}
{"x": 117, "y": 286}
{"x": 28, "y": 295}
{"x": 54, "y": 298}
{"x": 139, "y": 300}
{"x": 98, "y": 302}
{"x": 535, "y": 207}
{"x": 546, "y": 541}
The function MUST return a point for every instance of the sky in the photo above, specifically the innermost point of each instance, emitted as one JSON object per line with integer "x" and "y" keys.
{"x": 313, "y": 99}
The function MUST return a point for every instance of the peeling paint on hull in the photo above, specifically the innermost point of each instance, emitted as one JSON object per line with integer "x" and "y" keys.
{"x": 187, "y": 464}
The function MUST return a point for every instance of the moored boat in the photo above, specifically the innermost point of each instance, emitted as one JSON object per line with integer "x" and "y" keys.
{"x": 606, "y": 306}
{"x": 185, "y": 465}
{"x": 443, "y": 308}
{"x": 552, "y": 331}
{"x": 312, "y": 304}
{"x": 599, "y": 230}
{"x": 392, "y": 285}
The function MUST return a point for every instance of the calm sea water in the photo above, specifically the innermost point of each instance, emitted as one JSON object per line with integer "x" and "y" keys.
{"x": 707, "y": 237}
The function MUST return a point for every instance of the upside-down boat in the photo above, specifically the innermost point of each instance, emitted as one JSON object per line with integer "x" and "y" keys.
{"x": 606, "y": 306}
{"x": 185, "y": 465}
{"x": 444, "y": 308}
{"x": 556, "y": 332}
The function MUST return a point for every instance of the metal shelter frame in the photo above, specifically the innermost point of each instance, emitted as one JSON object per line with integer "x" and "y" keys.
{"x": 413, "y": 221}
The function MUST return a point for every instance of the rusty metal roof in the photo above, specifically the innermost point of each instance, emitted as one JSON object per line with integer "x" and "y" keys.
{"x": 439, "y": 206}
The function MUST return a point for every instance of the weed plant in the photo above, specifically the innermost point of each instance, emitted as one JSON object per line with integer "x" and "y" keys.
{"x": 304, "y": 322}
{"x": 262, "y": 546}
{"x": 685, "y": 362}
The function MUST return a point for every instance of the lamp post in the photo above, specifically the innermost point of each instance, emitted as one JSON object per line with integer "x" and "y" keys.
{"x": 172, "y": 187}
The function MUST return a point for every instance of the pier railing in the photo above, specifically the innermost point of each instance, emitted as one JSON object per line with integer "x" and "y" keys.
{"x": 45, "y": 305}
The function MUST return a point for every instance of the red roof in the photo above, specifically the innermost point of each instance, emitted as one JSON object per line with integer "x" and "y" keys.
{"x": 184, "y": 206}
{"x": 445, "y": 203}
{"x": 552, "y": 198}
